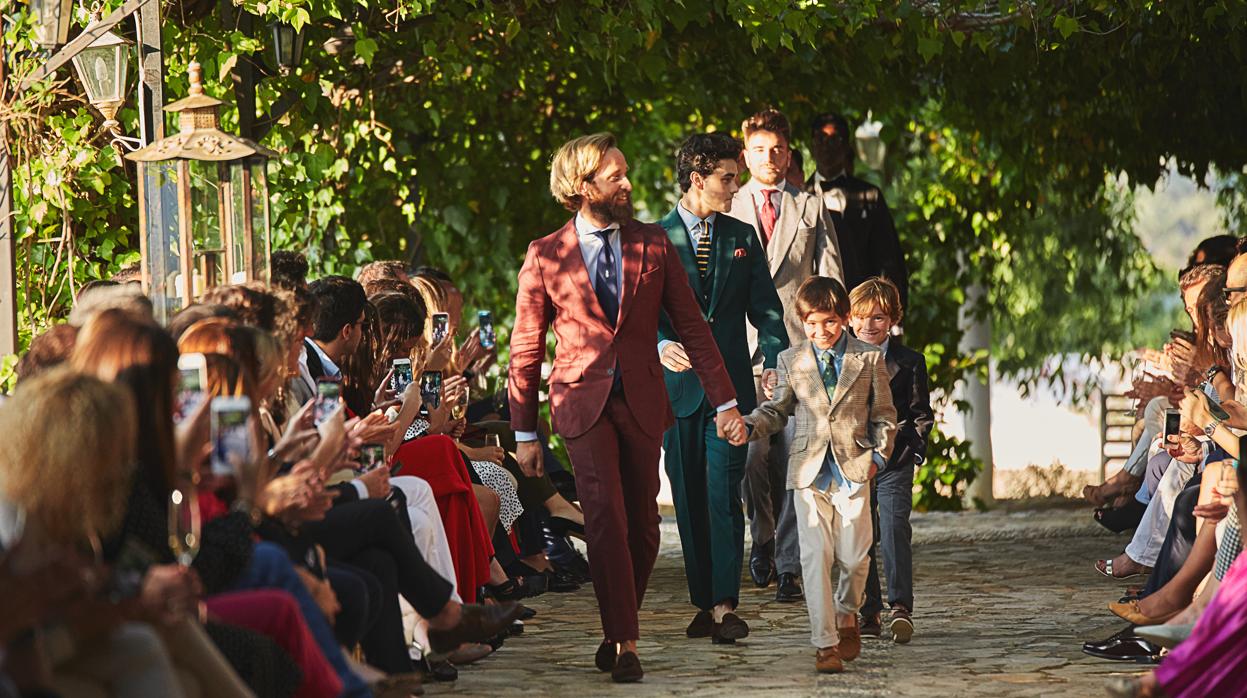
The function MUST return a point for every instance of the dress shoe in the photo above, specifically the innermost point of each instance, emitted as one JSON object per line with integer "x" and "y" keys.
{"x": 561, "y": 582}
{"x": 441, "y": 670}
{"x": 901, "y": 625}
{"x": 787, "y": 590}
{"x": 1126, "y": 649}
{"x": 702, "y": 625}
{"x": 729, "y": 630}
{"x": 527, "y": 613}
{"x": 604, "y": 658}
{"x": 627, "y": 669}
{"x": 476, "y": 624}
{"x": 762, "y": 564}
{"x": 1129, "y": 611}
{"x": 850, "y": 643}
{"x": 828, "y": 661}
{"x": 1125, "y": 632}
{"x": 1167, "y": 636}
{"x": 561, "y": 527}
{"x": 870, "y": 626}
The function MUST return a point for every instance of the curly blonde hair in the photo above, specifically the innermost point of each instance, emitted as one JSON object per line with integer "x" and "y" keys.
{"x": 69, "y": 454}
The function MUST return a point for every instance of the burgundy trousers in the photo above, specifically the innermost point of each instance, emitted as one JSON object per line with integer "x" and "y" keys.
{"x": 616, "y": 465}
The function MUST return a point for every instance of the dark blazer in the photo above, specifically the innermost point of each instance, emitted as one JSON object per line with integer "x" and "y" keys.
{"x": 738, "y": 286}
{"x": 907, "y": 376}
{"x": 869, "y": 244}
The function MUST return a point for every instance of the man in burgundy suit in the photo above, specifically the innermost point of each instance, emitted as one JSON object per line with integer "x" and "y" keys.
{"x": 601, "y": 282}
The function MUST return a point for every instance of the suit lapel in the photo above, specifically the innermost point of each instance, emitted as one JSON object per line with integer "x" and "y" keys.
{"x": 806, "y": 364}
{"x": 894, "y": 366}
{"x": 785, "y": 228}
{"x": 723, "y": 247}
{"x": 850, "y": 368}
{"x": 632, "y": 247}
{"x": 571, "y": 263}
{"x": 680, "y": 238}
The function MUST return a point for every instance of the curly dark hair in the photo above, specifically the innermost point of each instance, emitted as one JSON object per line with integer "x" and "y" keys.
{"x": 288, "y": 269}
{"x": 701, "y": 153}
{"x": 251, "y": 301}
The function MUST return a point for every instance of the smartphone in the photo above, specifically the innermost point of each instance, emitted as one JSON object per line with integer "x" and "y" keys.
{"x": 328, "y": 395}
{"x": 402, "y": 375}
{"x": 192, "y": 382}
{"x": 441, "y": 326}
{"x": 1173, "y": 424}
{"x": 486, "y": 321}
{"x": 371, "y": 457}
{"x": 125, "y": 580}
{"x": 431, "y": 389}
{"x": 231, "y": 435}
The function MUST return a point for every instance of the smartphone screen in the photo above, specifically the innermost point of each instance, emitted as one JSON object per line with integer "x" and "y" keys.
{"x": 441, "y": 326}
{"x": 402, "y": 375}
{"x": 328, "y": 394}
{"x": 371, "y": 457}
{"x": 231, "y": 437}
{"x": 486, "y": 320}
{"x": 1173, "y": 424}
{"x": 192, "y": 382}
{"x": 431, "y": 389}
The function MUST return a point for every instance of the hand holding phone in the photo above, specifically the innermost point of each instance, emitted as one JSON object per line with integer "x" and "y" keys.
{"x": 231, "y": 435}
{"x": 328, "y": 398}
{"x": 192, "y": 384}
{"x": 441, "y": 327}
{"x": 431, "y": 389}
{"x": 486, "y": 321}
{"x": 401, "y": 376}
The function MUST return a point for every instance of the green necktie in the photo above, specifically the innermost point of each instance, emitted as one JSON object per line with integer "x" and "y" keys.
{"x": 703, "y": 250}
{"x": 829, "y": 373}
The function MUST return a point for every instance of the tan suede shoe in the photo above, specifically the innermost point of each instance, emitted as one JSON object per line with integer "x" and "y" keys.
{"x": 827, "y": 661}
{"x": 850, "y": 643}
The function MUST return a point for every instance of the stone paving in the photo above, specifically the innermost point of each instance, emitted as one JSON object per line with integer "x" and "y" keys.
{"x": 1004, "y": 602}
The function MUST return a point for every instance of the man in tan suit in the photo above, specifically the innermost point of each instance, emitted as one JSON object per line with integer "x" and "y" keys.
{"x": 799, "y": 242}
{"x": 837, "y": 387}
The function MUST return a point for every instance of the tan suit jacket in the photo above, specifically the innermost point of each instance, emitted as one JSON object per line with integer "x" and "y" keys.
{"x": 804, "y": 244}
{"x": 857, "y": 421}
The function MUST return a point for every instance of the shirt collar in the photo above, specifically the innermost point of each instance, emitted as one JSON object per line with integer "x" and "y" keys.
{"x": 691, "y": 221}
{"x": 884, "y": 347}
{"x": 837, "y": 349}
{"x": 819, "y": 178}
{"x": 759, "y": 187}
{"x": 585, "y": 229}
{"x": 331, "y": 368}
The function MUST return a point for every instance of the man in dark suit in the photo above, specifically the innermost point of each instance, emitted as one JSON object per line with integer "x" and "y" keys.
{"x": 600, "y": 282}
{"x": 727, "y": 268}
{"x": 875, "y": 310}
{"x": 868, "y": 242}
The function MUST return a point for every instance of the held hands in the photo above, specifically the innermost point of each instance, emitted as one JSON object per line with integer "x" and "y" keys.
{"x": 674, "y": 358}
{"x": 731, "y": 426}
{"x": 770, "y": 379}
{"x": 1195, "y": 408}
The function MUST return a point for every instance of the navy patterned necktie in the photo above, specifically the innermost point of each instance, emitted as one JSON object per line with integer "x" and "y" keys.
{"x": 606, "y": 280}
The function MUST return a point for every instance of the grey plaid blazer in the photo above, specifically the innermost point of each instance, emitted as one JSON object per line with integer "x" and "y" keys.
{"x": 859, "y": 420}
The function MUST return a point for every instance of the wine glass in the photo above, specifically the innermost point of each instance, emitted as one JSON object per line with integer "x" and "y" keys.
{"x": 184, "y": 530}
{"x": 461, "y": 405}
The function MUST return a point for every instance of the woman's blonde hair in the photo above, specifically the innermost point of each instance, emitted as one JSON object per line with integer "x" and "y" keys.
{"x": 257, "y": 350}
{"x": 576, "y": 162}
{"x": 68, "y": 459}
{"x": 1236, "y": 325}
{"x": 433, "y": 295}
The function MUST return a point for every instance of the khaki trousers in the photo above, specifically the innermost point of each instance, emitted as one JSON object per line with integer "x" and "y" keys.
{"x": 835, "y": 533}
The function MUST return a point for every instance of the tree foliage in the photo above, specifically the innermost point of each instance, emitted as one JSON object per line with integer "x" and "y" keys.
{"x": 422, "y": 129}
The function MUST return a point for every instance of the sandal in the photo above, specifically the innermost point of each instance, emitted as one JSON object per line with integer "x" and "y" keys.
{"x": 1105, "y": 567}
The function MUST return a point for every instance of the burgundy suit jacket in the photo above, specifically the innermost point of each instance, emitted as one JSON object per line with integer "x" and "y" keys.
{"x": 555, "y": 291}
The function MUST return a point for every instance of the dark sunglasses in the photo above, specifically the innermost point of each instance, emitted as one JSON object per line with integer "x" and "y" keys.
{"x": 1229, "y": 290}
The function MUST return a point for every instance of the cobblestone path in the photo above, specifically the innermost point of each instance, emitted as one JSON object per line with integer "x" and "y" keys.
{"x": 995, "y": 618}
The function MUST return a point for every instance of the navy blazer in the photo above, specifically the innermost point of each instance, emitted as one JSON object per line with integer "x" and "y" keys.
{"x": 907, "y": 373}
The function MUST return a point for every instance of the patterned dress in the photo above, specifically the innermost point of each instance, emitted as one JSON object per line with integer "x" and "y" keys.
{"x": 491, "y": 475}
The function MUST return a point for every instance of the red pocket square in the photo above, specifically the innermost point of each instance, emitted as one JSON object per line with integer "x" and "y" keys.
{"x": 740, "y": 252}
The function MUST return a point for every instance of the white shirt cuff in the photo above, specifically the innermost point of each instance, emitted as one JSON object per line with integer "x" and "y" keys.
{"x": 525, "y": 436}
{"x": 730, "y": 404}
{"x": 361, "y": 488}
{"x": 663, "y": 345}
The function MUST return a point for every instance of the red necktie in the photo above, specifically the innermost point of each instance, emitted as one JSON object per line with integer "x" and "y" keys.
{"x": 768, "y": 216}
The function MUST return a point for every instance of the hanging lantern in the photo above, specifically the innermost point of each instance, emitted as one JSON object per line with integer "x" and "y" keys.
{"x": 52, "y": 21}
{"x": 104, "y": 70}
{"x": 287, "y": 46}
{"x": 870, "y": 147}
{"x": 205, "y": 221}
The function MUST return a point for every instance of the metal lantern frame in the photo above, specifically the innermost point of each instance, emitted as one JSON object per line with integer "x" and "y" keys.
{"x": 287, "y": 46}
{"x": 106, "y": 60}
{"x": 178, "y": 173}
{"x": 869, "y": 144}
{"x": 52, "y": 18}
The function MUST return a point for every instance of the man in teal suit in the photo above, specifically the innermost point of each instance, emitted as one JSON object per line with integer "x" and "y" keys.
{"x": 728, "y": 270}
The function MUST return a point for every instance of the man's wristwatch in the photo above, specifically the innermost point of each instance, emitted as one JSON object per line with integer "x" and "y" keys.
{"x": 1208, "y": 430}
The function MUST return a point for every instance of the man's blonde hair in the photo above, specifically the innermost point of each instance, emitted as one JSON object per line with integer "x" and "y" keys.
{"x": 575, "y": 162}
{"x": 878, "y": 290}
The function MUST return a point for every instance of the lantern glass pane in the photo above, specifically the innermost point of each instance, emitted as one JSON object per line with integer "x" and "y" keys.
{"x": 103, "y": 71}
{"x": 51, "y": 21}
{"x": 162, "y": 267}
{"x": 238, "y": 220}
{"x": 260, "y": 231}
{"x": 206, "y": 219}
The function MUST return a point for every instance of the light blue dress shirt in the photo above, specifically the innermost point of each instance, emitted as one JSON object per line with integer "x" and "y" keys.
{"x": 591, "y": 247}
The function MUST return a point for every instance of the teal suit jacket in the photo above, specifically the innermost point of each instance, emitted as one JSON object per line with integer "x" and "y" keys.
{"x": 739, "y": 287}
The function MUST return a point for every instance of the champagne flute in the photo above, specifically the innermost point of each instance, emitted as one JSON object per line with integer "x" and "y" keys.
{"x": 184, "y": 528}
{"x": 461, "y": 405}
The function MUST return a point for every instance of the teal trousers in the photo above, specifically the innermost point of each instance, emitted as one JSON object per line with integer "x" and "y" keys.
{"x": 705, "y": 473}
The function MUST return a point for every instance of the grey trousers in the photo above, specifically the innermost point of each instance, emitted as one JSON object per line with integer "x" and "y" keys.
{"x": 768, "y": 501}
{"x": 890, "y": 507}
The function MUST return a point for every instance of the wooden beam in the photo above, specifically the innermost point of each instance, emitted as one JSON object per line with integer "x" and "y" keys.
{"x": 8, "y": 247}
{"x": 151, "y": 75}
{"x": 83, "y": 40}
